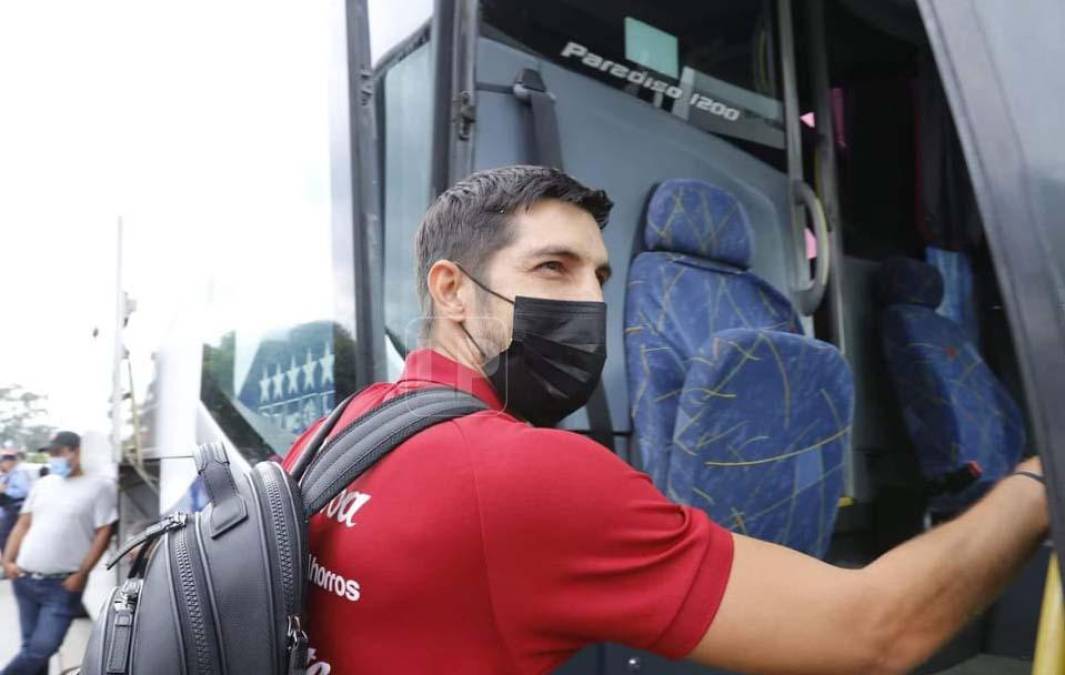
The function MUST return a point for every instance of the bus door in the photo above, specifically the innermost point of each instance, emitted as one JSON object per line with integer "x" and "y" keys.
{"x": 1000, "y": 66}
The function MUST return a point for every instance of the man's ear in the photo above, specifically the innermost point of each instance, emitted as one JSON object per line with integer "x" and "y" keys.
{"x": 446, "y": 282}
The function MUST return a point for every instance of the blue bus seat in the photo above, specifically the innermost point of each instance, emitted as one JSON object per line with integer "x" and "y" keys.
{"x": 762, "y": 431}
{"x": 955, "y": 409}
{"x": 690, "y": 287}
{"x": 691, "y": 282}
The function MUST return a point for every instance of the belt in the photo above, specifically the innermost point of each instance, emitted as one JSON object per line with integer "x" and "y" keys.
{"x": 40, "y": 576}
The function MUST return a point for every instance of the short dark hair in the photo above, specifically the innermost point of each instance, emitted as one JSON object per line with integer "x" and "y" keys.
{"x": 470, "y": 221}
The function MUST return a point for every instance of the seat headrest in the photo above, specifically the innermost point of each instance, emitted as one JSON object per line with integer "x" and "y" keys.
{"x": 696, "y": 218}
{"x": 909, "y": 282}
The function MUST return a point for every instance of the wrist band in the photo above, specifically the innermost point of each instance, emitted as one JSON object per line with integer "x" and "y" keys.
{"x": 1033, "y": 476}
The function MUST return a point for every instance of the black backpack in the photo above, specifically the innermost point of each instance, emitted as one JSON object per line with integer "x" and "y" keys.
{"x": 222, "y": 591}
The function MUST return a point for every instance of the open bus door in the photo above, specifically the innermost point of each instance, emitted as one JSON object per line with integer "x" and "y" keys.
{"x": 1001, "y": 68}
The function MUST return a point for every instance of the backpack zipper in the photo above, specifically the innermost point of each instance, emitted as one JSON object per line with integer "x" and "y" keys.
{"x": 192, "y": 606}
{"x": 123, "y": 610}
{"x": 281, "y": 537}
{"x": 170, "y": 522}
{"x": 272, "y": 486}
{"x": 297, "y": 645}
{"x": 298, "y": 641}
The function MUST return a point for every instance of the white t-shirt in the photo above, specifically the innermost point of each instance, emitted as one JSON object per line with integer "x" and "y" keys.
{"x": 66, "y": 514}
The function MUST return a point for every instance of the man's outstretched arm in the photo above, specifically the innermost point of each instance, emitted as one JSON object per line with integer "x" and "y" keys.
{"x": 784, "y": 612}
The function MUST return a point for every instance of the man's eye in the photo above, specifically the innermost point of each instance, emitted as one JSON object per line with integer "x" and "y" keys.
{"x": 552, "y": 266}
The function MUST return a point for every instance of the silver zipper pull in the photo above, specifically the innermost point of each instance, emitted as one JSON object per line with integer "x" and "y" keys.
{"x": 297, "y": 647}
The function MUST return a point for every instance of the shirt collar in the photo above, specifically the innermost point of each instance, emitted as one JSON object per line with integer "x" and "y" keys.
{"x": 427, "y": 365}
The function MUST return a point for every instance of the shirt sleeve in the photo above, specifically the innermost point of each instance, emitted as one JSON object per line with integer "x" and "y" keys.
{"x": 105, "y": 507}
{"x": 18, "y": 484}
{"x": 582, "y": 548}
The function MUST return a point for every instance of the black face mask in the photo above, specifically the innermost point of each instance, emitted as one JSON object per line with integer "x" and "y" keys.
{"x": 554, "y": 360}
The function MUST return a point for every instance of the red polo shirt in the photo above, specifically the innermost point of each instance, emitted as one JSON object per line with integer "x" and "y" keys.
{"x": 485, "y": 545}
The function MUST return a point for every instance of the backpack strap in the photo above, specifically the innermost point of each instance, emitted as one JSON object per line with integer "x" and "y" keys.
{"x": 359, "y": 445}
{"x": 310, "y": 451}
{"x": 227, "y": 506}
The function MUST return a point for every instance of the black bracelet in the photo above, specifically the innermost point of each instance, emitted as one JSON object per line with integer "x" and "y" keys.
{"x": 1033, "y": 476}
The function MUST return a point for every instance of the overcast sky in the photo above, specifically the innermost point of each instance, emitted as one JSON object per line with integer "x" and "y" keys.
{"x": 204, "y": 126}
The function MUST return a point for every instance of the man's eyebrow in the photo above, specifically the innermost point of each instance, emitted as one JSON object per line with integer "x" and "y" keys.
{"x": 604, "y": 270}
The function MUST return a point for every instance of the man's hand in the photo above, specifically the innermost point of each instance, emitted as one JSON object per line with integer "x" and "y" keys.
{"x": 11, "y": 570}
{"x": 75, "y": 583}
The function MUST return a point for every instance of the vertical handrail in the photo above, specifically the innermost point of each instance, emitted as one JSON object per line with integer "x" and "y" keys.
{"x": 1050, "y": 641}
{"x": 786, "y": 37}
{"x": 793, "y": 140}
{"x": 442, "y": 43}
{"x": 825, "y": 176}
{"x": 464, "y": 86}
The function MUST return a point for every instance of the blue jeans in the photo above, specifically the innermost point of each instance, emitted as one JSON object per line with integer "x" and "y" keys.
{"x": 45, "y": 610}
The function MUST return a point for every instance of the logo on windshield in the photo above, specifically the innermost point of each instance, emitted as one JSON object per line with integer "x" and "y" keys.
{"x": 647, "y": 81}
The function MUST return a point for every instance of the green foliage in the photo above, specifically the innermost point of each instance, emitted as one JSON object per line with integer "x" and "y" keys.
{"x": 20, "y": 415}
{"x": 218, "y": 361}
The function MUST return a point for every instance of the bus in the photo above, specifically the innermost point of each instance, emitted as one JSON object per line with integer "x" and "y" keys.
{"x": 849, "y": 134}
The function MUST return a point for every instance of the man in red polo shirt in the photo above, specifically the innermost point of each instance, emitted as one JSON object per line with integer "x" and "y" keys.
{"x": 489, "y": 544}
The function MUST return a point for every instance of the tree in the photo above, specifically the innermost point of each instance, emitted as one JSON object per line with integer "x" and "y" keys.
{"x": 20, "y": 415}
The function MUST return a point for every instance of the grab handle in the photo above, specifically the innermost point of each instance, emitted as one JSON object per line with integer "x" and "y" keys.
{"x": 810, "y": 297}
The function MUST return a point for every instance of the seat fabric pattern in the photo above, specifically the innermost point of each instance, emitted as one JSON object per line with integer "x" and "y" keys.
{"x": 955, "y": 409}
{"x": 909, "y": 282}
{"x": 699, "y": 219}
{"x": 763, "y": 425}
{"x": 690, "y": 284}
{"x": 673, "y": 304}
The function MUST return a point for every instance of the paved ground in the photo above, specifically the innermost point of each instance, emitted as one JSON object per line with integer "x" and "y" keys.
{"x": 73, "y": 647}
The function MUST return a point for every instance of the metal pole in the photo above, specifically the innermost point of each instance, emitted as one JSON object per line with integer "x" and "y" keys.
{"x": 118, "y": 353}
{"x": 442, "y": 40}
{"x": 370, "y": 364}
{"x": 826, "y": 179}
{"x": 464, "y": 103}
{"x": 792, "y": 134}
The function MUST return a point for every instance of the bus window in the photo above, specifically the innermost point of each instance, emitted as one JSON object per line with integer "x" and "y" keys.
{"x": 272, "y": 352}
{"x": 712, "y": 64}
{"x": 264, "y": 389}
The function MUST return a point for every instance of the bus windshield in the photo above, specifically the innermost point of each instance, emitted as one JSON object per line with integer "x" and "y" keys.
{"x": 711, "y": 63}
